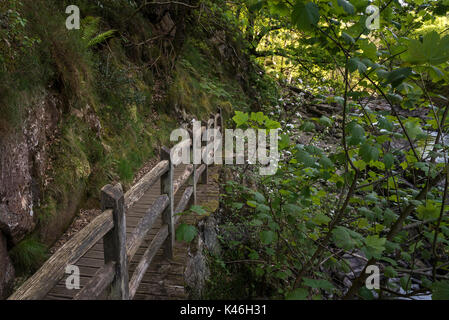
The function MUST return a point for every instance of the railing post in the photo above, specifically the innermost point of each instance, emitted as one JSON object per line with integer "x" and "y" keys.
{"x": 205, "y": 176}
{"x": 194, "y": 183}
{"x": 192, "y": 180}
{"x": 114, "y": 242}
{"x": 220, "y": 111}
{"x": 167, "y": 216}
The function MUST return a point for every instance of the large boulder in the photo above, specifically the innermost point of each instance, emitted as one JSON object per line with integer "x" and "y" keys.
{"x": 16, "y": 202}
{"x": 6, "y": 270}
{"x": 23, "y": 162}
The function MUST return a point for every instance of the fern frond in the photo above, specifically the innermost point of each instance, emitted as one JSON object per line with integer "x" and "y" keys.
{"x": 90, "y": 27}
{"x": 102, "y": 37}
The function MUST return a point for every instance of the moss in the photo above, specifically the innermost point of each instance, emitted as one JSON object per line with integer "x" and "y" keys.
{"x": 46, "y": 210}
{"x": 211, "y": 206}
{"x": 202, "y": 83}
{"x": 28, "y": 255}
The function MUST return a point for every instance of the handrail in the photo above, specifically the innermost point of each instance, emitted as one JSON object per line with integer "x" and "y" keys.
{"x": 98, "y": 283}
{"x": 52, "y": 271}
{"x": 137, "y": 191}
{"x": 111, "y": 226}
{"x": 145, "y": 224}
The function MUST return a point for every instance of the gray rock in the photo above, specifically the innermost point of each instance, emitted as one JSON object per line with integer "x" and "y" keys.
{"x": 210, "y": 236}
{"x": 23, "y": 162}
{"x": 197, "y": 272}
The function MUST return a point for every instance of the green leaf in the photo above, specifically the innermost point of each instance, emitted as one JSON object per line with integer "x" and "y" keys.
{"x": 389, "y": 217}
{"x": 198, "y": 210}
{"x": 259, "y": 117}
{"x": 339, "y": 100}
{"x": 252, "y": 204}
{"x": 347, "y": 38}
{"x": 240, "y": 118}
{"x": 396, "y": 77}
{"x": 305, "y": 16}
{"x": 256, "y": 223}
{"x": 297, "y": 294}
{"x": 428, "y": 211}
{"x": 357, "y": 134}
{"x": 440, "y": 290}
{"x": 326, "y": 163}
{"x": 405, "y": 283}
{"x": 186, "y": 233}
{"x": 431, "y": 50}
{"x": 413, "y": 129}
{"x": 369, "y": 214}
{"x": 318, "y": 284}
{"x": 292, "y": 209}
{"x": 435, "y": 73}
{"x": 395, "y": 98}
{"x": 280, "y": 8}
{"x": 321, "y": 219}
{"x": 261, "y": 208}
{"x": 256, "y": 5}
{"x": 345, "y": 238}
{"x": 385, "y": 124}
{"x": 374, "y": 246}
{"x": 369, "y": 49}
{"x": 237, "y": 205}
{"x": 369, "y": 153}
{"x": 390, "y": 272}
{"x": 347, "y": 6}
{"x": 389, "y": 160}
{"x": 325, "y": 121}
{"x": 271, "y": 124}
{"x": 284, "y": 142}
{"x": 304, "y": 157}
{"x": 259, "y": 197}
{"x": 267, "y": 237}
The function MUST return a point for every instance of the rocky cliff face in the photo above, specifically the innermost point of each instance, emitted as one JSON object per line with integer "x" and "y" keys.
{"x": 6, "y": 269}
{"x": 23, "y": 165}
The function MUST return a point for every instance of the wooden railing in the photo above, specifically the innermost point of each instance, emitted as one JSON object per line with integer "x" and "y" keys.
{"x": 111, "y": 227}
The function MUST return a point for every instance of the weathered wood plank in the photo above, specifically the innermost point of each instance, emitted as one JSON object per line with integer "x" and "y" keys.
{"x": 114, "y": 242}
{"x": 177, "y": 151}
{"x": 170, "y": 291}
{"x": 38, "y": 285}
{"x": 137, "y": 191}
{"x": 183, "y": 178}
{"x": 98, "y": 283}
{"x": 147, "y": 259}
{"x": 199, "y": 172}
{"x": 183, "y": 202}
{"x": 145, "y": 224}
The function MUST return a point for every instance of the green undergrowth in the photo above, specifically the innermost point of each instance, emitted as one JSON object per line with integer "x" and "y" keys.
{"x": 202, "y": 84}
{"x": 28, "y": 255}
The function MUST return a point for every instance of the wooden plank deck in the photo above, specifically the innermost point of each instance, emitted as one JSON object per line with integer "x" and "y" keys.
{"x": 164, "y": 279}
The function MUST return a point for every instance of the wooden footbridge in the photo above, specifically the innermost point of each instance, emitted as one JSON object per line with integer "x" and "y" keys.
{"x": 129, "y": 251}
